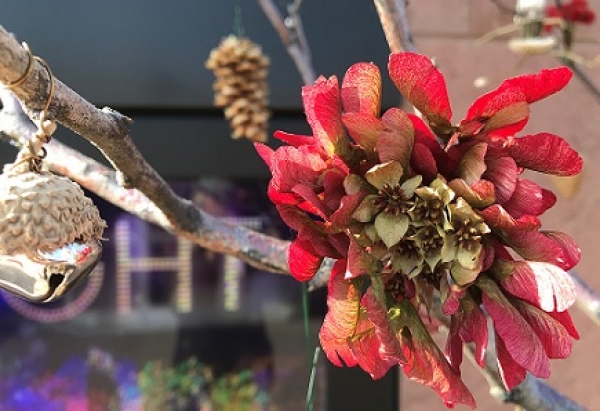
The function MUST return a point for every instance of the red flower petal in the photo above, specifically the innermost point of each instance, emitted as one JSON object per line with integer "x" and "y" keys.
{"x": 423, "y": 135}
{"x": 310, "y": 196}
{"x": 497, "y": 217}
{"x": 361, "y": 89}
{"x": 302, "y": 260}
{"x": 343, "y": 300}
{"x": 425, "y": 363}
{"x": 295, "y": 140}
{"x": 397, "y": 138}
{"x": 544, "y": 285}
{"x": 503, "y": 111}
{"x": 423, "y": 85}
{"x": 529, "y": 198}
{"x": 291, "y": 166}
{"x": 479, "y": 195}
{"x": 503, "y": 172}
{"x": 565, "y": 319}
{"x": 294, "y": 218}
{"x": 470, "y": 325}
{"x": 571, "y": 251}
{"x": 364, "y": 128}
{"x": 474, "y": 328}
{"x": 546, "y": 153}
{"x": 323, "y": 113}
{"x": 366, "y": 349}
{"x": 554, "y": 248}
{"x": 333, "y": 188}
{"x": 512, "y": 374}
{"x": 454, "y": 344}
{"x": 554, "y": 337}
{"x": 422, "y": 162}
{"x": 472, "y": 164}
{"x": 265, "y": 152}
{"x": 359, "y": 262}
{"x": 521, "y": 342}
{"x": 342, "y": 217}
{"x": 390, "y": 350}
{"x": 541, "y": 85}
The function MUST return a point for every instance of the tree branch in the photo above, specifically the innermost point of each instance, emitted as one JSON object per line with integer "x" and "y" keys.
{"x": 588, "y": 299}
{"x": 392, "y": 14}
{"x": 291, "y": 33}
{"x": 584, "y": 78}
{"x": 108, "y": 131}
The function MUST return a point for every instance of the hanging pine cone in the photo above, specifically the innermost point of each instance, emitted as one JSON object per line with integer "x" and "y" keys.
{"x": 240, "y": 87}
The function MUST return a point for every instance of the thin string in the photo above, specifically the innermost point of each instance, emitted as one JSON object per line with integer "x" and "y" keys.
{"x": 33, "y": 153}
{"x": 238, "y": 26}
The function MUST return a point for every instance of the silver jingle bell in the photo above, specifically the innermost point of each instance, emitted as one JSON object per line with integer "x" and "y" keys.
{"x": 49, "y": 277}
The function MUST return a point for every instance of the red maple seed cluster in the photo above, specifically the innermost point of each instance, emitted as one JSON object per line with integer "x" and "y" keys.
{"x": 417, "y": 209}
{"x": 575, "y": 11}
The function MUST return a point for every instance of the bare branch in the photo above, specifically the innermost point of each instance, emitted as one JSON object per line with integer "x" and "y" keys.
{"x": 291, "y": 33}
{"x": 585, "y": 79}
{"x": 588, "y": 299}
{"x": 392, "y": 14}
{"x": 108, "y": 130}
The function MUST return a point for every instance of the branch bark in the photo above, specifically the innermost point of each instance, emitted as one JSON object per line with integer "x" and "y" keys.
{"x": 147, "y": 194}
{"x": 588, "y": 299}
{"x": 392, "y": 15}
{"x": 291, "y": 33}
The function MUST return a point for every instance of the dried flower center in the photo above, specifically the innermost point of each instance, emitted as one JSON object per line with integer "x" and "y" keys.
{"x": 466, "y": 235}
{"x": 399, "y": 287}
{"x": 431, "y": 240}
{"x": 432, "y": 277}
{"x": 431, "y": 210}
{"x": 408, "y": 249}
{"x": 392, "y": 200}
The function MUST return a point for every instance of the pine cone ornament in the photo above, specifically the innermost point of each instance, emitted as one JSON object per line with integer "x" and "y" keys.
{"x": 240, "y": 87}
{"x": 42, "y": 212}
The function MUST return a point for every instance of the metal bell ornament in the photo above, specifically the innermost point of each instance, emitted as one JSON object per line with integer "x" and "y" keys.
{"x": 49, "y": 230}
{"x": 49, "y": 234}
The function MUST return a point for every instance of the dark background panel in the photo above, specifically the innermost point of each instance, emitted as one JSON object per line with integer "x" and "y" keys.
{"x": 151, "y": 53}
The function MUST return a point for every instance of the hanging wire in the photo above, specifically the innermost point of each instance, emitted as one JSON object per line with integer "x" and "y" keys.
{"x": 311, "y": 381}
{"x": 313, "y": 356}
{"x": 238, "y": 26}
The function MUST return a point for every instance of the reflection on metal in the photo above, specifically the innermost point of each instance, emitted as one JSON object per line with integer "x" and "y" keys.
{"x": 50, "y": 276}
{"x": 68, "y": 311}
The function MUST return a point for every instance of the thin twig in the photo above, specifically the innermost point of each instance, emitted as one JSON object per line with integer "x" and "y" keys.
{"x": 504, "y": 8}
{"x": 292, "y": 37}
{"x": 587, "y": 82}
{"x": 392, "y": 15}
{"x": 588, "y": 299}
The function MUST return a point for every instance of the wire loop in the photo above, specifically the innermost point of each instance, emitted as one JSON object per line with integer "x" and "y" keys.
{"x": 33, "y": 151}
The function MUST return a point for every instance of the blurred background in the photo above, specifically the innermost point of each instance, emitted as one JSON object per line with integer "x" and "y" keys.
{"x": 159, "y": 313}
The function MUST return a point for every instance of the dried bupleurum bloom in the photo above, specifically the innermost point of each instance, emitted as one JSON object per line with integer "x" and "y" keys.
{"x": 418, "y": 209}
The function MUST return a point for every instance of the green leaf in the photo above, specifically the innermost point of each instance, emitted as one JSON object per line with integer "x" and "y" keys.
{"x": 410, "y": 185}
{"x": 384, "y": 174}
{"x": 391, "y": 228}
